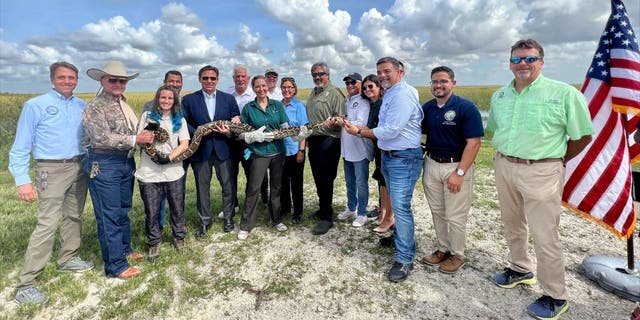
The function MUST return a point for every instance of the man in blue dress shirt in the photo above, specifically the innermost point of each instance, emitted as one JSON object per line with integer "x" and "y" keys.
{"x": 50, "y": 128}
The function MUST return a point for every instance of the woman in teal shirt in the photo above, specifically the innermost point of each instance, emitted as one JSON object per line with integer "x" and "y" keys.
{"x": 266, "y": 155}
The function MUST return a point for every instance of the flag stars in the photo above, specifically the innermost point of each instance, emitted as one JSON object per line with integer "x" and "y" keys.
{"x": 601, "y": 63}
{"x": 616, "y": 16}
{"x": 626, "y": 42}
{"x": 618, "y": 34}
{"x": 598, "y": 55}
{"x": 604, "y": 73}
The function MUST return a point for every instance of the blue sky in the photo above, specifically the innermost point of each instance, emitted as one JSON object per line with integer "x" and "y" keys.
{"x": 150, "y": 37}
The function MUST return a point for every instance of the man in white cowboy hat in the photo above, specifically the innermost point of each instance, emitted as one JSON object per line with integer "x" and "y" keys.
{"x": 110, "y": 127}
{"x": 50, "y": 128}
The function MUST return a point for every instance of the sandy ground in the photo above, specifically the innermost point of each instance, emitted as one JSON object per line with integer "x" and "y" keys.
{"x": 342, "y": 275}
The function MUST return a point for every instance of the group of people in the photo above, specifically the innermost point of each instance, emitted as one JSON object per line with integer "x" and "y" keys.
{"x": 538, "y": 125}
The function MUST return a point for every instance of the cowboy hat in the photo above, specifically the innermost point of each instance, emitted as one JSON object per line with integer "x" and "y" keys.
{"x": 112, "y": 68}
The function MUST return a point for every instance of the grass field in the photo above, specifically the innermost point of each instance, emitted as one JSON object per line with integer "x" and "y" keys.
{"x": 17, "y": 220}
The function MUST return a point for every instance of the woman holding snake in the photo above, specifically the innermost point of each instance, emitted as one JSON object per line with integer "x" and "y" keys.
{"x": 157, "y": 176}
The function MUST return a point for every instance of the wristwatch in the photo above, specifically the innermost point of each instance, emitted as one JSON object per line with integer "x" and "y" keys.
{"x": 460, "y": 172}
{"x": 359, "y": 134}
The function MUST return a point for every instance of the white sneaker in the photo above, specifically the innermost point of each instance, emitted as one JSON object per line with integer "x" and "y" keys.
{"x": 346, "y": 214}
{"x": 281, "y": 227}
{"x": 359, "y": 221}
{"x": 243, "y": 235}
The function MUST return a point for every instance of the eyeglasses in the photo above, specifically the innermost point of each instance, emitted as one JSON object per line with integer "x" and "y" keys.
{"x": 318, "y": 74}
{"x": 527, "y": 59}
{"x": 116, "y": 80}
{"x": 209, "y": 78}
{"x": 369, "y": 86}
{"x": 287, "y": 87}
{"x": 435, "y": 82}
{"x": 350, "y": 82}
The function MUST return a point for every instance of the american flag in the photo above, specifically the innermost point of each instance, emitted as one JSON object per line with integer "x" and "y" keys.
{"x": 598, "y": 180}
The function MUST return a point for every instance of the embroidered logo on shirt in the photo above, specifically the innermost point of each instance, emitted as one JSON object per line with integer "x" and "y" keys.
{"x": 52, "y": 110}
{"x": 553, "y": 101}
{"x": 355, "y": 105}
{"x": 501, "y": 94}
{"x": 448, "y": 118}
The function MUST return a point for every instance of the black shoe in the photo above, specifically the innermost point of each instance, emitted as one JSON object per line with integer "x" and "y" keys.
{"x": 227, "y": 226}
{"x": 322, "y": 227}
{"x": 388, "y": 242}
{"x": 315, "y": 215}
{"x": 399, "y": 271}
{"x": 373, "y": 213}
{"x": 202, "y": 231}
{"x": 296, "y": 219}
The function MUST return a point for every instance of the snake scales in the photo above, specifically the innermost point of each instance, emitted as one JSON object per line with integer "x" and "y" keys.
{"x": 162, "y": 136}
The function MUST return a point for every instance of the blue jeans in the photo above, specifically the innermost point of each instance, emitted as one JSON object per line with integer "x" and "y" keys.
{"x": 401, "y": 170}
{"x": 111, "y": 188}
{"x": 356, "y": 175}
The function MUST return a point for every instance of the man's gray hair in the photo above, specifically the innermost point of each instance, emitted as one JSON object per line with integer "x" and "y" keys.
{"x": 322, "y": 65}
{"x": 54, "y": 66}
{"x": 240, "y": 66}
{"x": 395, "y": 62}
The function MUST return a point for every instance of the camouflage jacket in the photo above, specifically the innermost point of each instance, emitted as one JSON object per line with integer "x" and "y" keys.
{"x": 105, "y": 124}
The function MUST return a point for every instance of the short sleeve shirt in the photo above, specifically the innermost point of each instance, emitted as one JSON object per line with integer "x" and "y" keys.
{"x": 271, "y": 117}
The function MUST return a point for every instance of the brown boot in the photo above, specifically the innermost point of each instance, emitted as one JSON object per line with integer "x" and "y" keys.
{"x": 436, "y": 257}
{"x": 179, "y": 245}
{"x": 154, "y": 252}
{"x": 452, "y": 264}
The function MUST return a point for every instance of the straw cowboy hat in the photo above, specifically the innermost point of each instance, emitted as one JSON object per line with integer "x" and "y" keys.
{"x": 112, "y": 68}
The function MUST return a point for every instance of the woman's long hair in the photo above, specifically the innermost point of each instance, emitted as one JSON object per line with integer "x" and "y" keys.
{"x": 176, "y": 109}
{"x": 372, "y": 78}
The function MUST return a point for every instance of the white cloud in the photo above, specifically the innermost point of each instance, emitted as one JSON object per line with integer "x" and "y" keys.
{"x": 178, "y": 13}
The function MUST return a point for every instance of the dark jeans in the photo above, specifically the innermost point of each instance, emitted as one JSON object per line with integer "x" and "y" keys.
{"x": 153, "y": 196}
{"x": 324, "y": 156}
{"x": 259, "y": 166}
{"x": 292, "y": 185}
{"x": 202, "y": 171}
{"x": 237, "y": 157}
{"x": 111, "y": 189}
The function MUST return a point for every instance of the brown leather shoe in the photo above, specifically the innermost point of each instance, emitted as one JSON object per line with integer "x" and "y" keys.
{"x": 179, "y": 245}
{"x": 436, "y": 258}
{"x": 129, "y": 273}
{"x": 135, "y": 256}
{"x": 154, "y": 252}
{"x": 452, "y": 264}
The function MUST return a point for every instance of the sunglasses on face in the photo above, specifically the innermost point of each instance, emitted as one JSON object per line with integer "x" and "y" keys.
{"x": 350, "y": 82}
{"x": 318, "y": 74}
{"x": 369, "y": 86}
{"x": 116, "y": 80}
{"x": 271, "y": 76}
{"x": 209, "y": 78}
{"x": 527, "y": 59}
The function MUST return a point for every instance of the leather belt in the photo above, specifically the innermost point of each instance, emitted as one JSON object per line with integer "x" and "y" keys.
{"x": 72, "y": 160}
{"x": 121, "y": 153}
{"x": 393, "y": 152}
{"x": 527, "y": 161}
{"x": 443, "y": 159}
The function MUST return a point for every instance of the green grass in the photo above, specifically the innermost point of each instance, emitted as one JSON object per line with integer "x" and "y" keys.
{"x": 178, "y": 279}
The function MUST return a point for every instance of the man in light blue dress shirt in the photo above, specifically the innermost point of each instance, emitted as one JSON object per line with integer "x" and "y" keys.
{"x": 399, "y": 136}
{"x": 50, "y": 128}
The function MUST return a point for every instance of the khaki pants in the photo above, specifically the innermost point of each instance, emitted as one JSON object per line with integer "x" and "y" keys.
{"x": 449, "y": 210}
{"x": 62, "y": 189}
{"x": 530, "y": 194}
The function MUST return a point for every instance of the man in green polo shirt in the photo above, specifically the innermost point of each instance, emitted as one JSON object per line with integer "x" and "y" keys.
{"x": 538, "y": 125}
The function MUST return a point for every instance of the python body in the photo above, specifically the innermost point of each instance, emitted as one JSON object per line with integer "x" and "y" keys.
{"x": 237, "y": 128}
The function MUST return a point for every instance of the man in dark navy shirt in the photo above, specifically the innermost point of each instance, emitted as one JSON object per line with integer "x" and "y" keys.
{"x": 453, "y": 127}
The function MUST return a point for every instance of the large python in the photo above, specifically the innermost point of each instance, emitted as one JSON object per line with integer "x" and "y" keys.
{"x": 162, "y": 136}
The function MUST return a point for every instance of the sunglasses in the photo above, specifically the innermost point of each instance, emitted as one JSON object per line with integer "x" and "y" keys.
{"x": 318, "y": 74}
{"x": 350, "y": 82}
{"x": 369, "y": 86}
{"x": 116, "y": 80}
{"x": 527, "y": 59}
{"x": 272, "y": 76}
{"x": 209, "y": 78}
{"x": 435, "y": 82}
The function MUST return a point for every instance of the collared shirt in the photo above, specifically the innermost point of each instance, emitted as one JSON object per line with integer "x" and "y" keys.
{"x": 297, "y": 114}
{"x": 105, "y": 124}
{"x": 271, "y": 117}
{"x": 50, "y": 127}
{"x": 276, "y": 94}
{"x": 400, "y": 119}
{"x": 242, "y": 99}
{"x": 210, "y": 100}
{"x": 323, "y": 103}
{"x": 448, "y": 127}
{"x": 354, "y": 148}
{"x": 534, "y": 124}
{"x": 149, "y": 171}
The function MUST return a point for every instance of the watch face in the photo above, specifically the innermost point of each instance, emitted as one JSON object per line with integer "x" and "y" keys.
{"x": 460, "y": 172}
